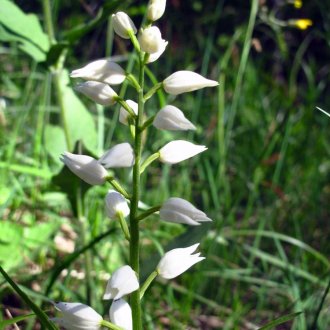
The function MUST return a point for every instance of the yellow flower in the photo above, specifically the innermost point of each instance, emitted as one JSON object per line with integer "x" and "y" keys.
{"x": 298, "y": 4}
{"x": 302, "y": 23}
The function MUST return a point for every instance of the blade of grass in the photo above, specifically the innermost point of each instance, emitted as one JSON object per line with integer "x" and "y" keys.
{"x": 280, "y": 320}
{"x": 39, "y": 313}
{"x": 16, "y": 319}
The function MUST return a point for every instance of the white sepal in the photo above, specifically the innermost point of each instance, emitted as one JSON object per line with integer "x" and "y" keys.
{"x": 116, "y": 203}
{"x": 177, "y": 261}
{"x": 151, "y": 40}
{"x": 124, "y": 115}
{"x": 178, "y": 151}
{"x": 155, "y": 56}
{"x": 98, "y": 92}
{"x": 122, "y": 24}
{"x": 156, "y": 9}
{"x": 120, "y": 155}
{"x": 77, "y": 316}
{"x": 186, "y": 81}
{"x": 101, "y": 70}
{"x": 85, "y": 167}
{"x": 121, "y": 314}
{"x": 179, "y": 210}
{"x": 171, "y": 118}
{"x": 122, "y": 282}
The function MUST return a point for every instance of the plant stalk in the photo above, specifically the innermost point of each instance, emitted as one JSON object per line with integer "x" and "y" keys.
{"x": 134, "y": 223}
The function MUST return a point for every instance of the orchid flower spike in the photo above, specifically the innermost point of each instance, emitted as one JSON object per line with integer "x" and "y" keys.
{"x": 116, "y": 204}
{"x": 98, "y": 92}
{"x": 177, "y": 261}
{"x": 85, "y": 167}
{"x": 186, "y": 81}
{"x": 122, "y": 24}
{"x": 121, "y": 314}
{"x": 120, "y": 155}
{"x": 122, "y": 282}
{"x": 179, "y": 210}
{"x": 171, "y": 118}
{"x": 178, "y": 151}
{"x": 103, "y": 70}
{"x": 77, "y": 316}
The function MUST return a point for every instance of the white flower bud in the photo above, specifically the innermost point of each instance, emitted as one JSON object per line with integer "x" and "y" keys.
{"x": 122, "y": 282}
{"x": 85, "y": 167}
{"x": 156, "y": 9}
{"x": 101, "y": 70}
{"x": 77, "y": 316}
{"x": 177, "y": 261}
{"x": 123, "y": 114}
{"x": 179, "y": 210}
{"x": 121, "y": 314}
{"x": 151, "y": 40}
{"x": 155, "y": 56}
{"x": 122, "y": 24}
{"x": 171, "y": 118}
{"x": 120, "y": 155}
{"x": 115, "y": 203}
{"x": 179, "y": 150}
{"x": 98, "y": 92}
{"x": 186, "y": 81}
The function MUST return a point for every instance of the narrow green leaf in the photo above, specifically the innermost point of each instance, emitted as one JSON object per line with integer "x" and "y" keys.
{"x": 16, "y": 319}
{"x": 44, "y": 320}
{"x": 280, "y": 320}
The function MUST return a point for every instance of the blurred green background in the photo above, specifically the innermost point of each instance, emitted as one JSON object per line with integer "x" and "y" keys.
{"x": 264, "y": 179}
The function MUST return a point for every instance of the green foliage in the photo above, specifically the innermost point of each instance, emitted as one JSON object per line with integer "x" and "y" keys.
{"x": 264, "y": 180}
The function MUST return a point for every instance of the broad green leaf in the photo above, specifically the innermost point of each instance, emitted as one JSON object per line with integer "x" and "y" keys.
{"x": 25, "y": 45}
{"x": 11, "y": 236}
{"x": 44, "y": 320}
{"x": 80, "y": 122}
{"x": 22, "y": 24}
{"x": 38, "y": 235}
{"x": 280, "y": 320}
{"x": 54, "y": 142}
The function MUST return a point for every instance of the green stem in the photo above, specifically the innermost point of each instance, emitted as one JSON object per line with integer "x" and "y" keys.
{"x": 123, "y": 225}
{"x": 110, "y": 325}
{"x": 131, "y": 78}
{"x": 134, "y": 40}
{"x": 147, "y": 283}
{"x": 148, "y": 161}
{"x": 125, "y": 106}
{"x": 152, "y": 91}
{"x": 118, "y": 187}
{"x": 150, "y": 211}
{"x": 48, "y": 20}
{"x": 134, "y": 223}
